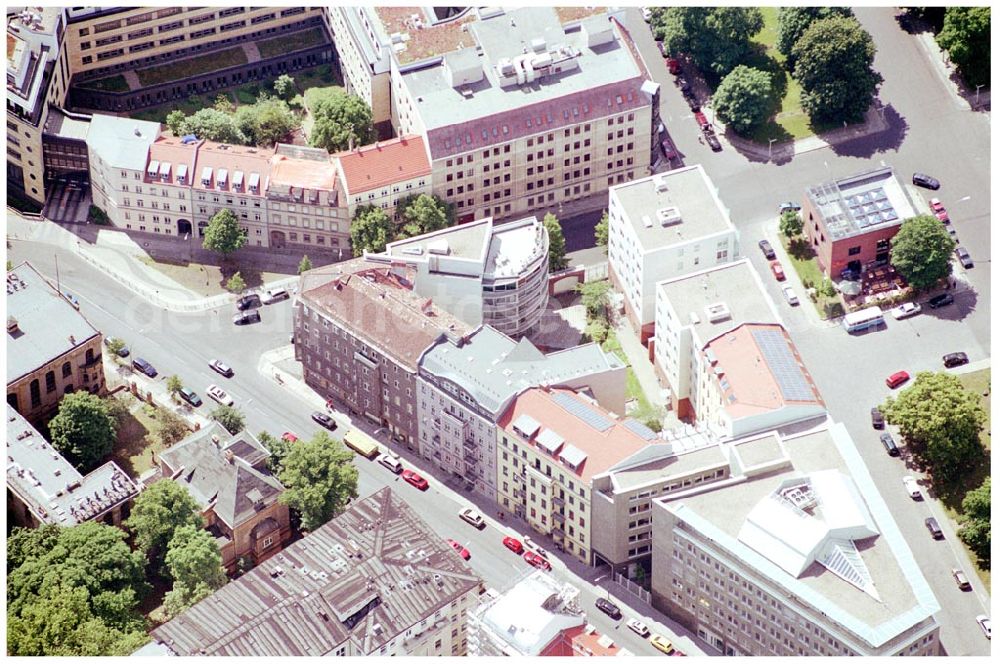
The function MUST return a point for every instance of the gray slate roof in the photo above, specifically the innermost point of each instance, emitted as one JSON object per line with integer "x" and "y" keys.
{"x": 367, "y": 576}
{"x": 121, "y": 142}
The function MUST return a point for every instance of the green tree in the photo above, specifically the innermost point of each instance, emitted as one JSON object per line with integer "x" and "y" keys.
{"x": 180, "y": 598}
{"x": 172, "y": 428}
{"x": 320, "y": 478}
{"x": 175, "y": 122}
{"x": 921, "y": 251}
{"x": 833, "y": 62}
{"x": 279, "y": 449}
{"x": 83, "y": 429}
{"x": 174, "y": 385}
{"x": 158, "y": 512}
{"x": 716, "y": 38}
{"x": 595, "y": 296}
{"x": 557, "y": 242}
{"x": 223, "y": 234}
{"x": 235, "y": 284}
{"x": 601, "y": 231}
{"x": 596, "y": 330}
{"x": 371, "y": 229}
{"x": 423, "y": 214}
{"x": 230, "y": 418}
{"x": 341, "y": 121}
{"x": 966, "y": 37}
{"x": 791, "y": 223}
{"x": 266, "y": 122}
{"x": 744, "y": 98}
{"x": 115, "y": 346}
{"x": 793, "y": 22}
{"x": 940, "y": 421}
{"x": 223, "y": 103}
{"x": 975, "y": 530}
{"x": 195, "y": 565}
{"x": 284, "y": 87}
{"x": 214, "y": 125}
{"x": 305, "y": 265}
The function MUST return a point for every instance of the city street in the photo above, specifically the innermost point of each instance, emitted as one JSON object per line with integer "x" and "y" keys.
{"x": 183, "y": 344}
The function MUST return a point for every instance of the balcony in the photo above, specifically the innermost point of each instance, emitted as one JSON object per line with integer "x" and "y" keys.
{"x": 559, "y": 516}
{"x": 556, "y": 500}
{"x": 469, "y": 454}
{"x": 470, "y": 461}
{"x": 557, "y": 531}
{"x": 469, "y": 445}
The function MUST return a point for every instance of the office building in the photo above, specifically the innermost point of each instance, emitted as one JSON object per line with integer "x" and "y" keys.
{"x": 663, "y": 227}
{"x": 383, "y": 173}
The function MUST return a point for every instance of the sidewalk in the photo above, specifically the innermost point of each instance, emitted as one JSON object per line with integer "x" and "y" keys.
{"x": 642, "y": 367}
{"x": 939, "y": 62}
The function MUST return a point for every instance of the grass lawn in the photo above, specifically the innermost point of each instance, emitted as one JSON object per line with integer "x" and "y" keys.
{"x": 189, "y": 105}
{"x": 201, "y": 64}
{"x": 110, "y": 84}
{"x": 137, "y": 439}
{"x": 208, "y": 280}
{"x": 296, "y": 41}
{"x": 803, "y": 259}
{"x": 318, "y": 76}
{"x": 979, "y": 382}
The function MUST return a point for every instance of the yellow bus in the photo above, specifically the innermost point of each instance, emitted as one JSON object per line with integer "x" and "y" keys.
{"x": 361, "y": 443}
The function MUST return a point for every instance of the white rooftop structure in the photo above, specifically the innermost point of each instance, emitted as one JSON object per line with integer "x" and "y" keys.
{"x": 121, "y": 142}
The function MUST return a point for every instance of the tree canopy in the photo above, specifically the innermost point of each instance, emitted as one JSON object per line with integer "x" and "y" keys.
{"x": 557, "y": 242}
{"x": 744, "y": 98}
{"x": 422, "y": 213}
{"x": 229, "y": 417}
{"x": 601, "y": 231}
{"x": 279, "y": 449}
{"x": 83, "y": 430}
{"x": 716, "y": 38}
{"x": 595, "y": 296}
{"x": 214, "y": 125}
{"x": 833, "y": 62}
{"x": 966, "y": 37}
{"x": 266, "y": 122}
{"x": 158, "y": 512}
{"x": 940, "y": 421}
{"x": 223, "y": 234}
{"x": 305, "y": 265}
{"x": 284, "y": 86}
{"x": 236, "y": 284}
{"x": 195, "y": 565}
{"x": 794, "y": 21}
{"x": 371, "y": 229}
{"x": 320, "y": 478}
{"x": 921, "y": 251}
{"x": 341, "y": 121}
{"x": 975, "y": 530}
{"x": 790, "y": 223}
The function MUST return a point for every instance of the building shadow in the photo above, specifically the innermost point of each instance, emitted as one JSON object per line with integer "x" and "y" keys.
{"x": 889, "y": 139}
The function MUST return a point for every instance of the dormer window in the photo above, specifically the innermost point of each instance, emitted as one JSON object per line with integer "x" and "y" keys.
{"x": 206, "y": 176}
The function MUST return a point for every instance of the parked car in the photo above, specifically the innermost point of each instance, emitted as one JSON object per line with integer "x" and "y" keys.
{"x": 390, "y": 461}
{"x": 609, "y": 608}
{"x": 788, "y": 206}
{"x": 122, "y": 352}
{"x": 189, "y": 396}
{"x": 513, "y": 544}
{"x": 246, "y": 317}
{"x": 984, "y": 623}
{"x": 777, "y": 271}
{"x": 531, "y": 544}
{"x": 638, "y": 627}
{"x": 937, "y": 205}
{"x": 713, "y": 142}
{"x": 955, "y": 359}
{"x": 943, "y": 217}
{"x": 878, "y": 420}
{"x": 926, "y": 181}
{"x": 960, "y": 579}
{"x": 673, "y": 66}
{"x": 889, "y": 444}
{"x": 324, "y": 420}
{"x": 289, "y": 437}
{"x": 790, "y": 296}
{"x": 668, "y": 148}
{"x": 768, "y": 250}
{"x": 251, "y": 301}
{"x": 964, "y": 258}
{"x": 905, "y": 310}
{"x": 701, "y": 119}
{"x": 217, "y": 393}
{"x": 933, "y": 528}
{"x": 71, "y": 299}
{"x": 897, "y": 379}
{"x": 461, "y": 550}
{"x": 661, "y": 643}
{"x": 275, "y": 295}
{"x": 536, "y": 560}
{"x": 647, "y": 15}
{"x": 472, "y": 517}
{"x": 414, "y": 478}
{"x": 941, "y": 300}
{"x": 221, "y": 367}
{"x": 912, "y": 487}
{"x": 144, "y": 367}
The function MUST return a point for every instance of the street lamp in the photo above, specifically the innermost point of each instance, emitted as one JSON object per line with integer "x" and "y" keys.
{"x": 770, "y": 142}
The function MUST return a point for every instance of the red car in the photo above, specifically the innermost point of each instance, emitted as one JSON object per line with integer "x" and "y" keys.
{"x": 943, "y": 217}
{"x": 513, "y": 544}
{"x": 536, "y": 560}
{"x": 415, "y": 479}
{"x": 701, "y": 119}
{"x": 777, "y": 270}
{"x": 289, "y": 437}
{"x": 673, "y": 66}
{"x": 668, "y": 149}
{"x": 897, "y": 379}
{"x": 936, "y": 205}
{"x": 459, "y": 549}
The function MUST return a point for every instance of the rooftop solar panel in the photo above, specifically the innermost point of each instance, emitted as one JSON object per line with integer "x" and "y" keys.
{"x": 786, "y": 370}
{"x": 640, "y": 429}
{"x": 582, "y": 411}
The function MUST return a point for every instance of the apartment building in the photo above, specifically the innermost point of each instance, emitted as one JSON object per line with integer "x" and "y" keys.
{"x": 662, "y": 227}
{"x": 52, "y": 349}
{"x": 359, "y": 334}
{"x": 232, "y": 177}
{"x": 374, "y": 581}
{"x": 44, "y": 488}
{"x": 382, "y": 173}
{"x": 165, "y": 195}
{"x": 551, "y": 444}
{"x": 792, "y": 553}
{"x": 484, "y": 273}
{"x": 693, "y": 309}
{"x": 466, "y": 384}
{"x": 851, "y": 221}
{"x": 303, "y": 201}
{"x": 118, "y": 150}
{"x": 523, "y": 110}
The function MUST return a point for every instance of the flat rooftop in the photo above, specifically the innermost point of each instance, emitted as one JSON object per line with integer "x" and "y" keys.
{"x": 514, "y": 246}
{"x": 676, "y": 207}
{"x": 694, "y": 299}
{"x": 59, "y": 123}
{"x": 465, "y": 241}
{"x": 425, "y": 37}
{"x": 665, "y": 468}
{"x": 48, "y": 326}
{"x": 828, "y": 460}
{"x": 367, "y": 575}
{"x": 861, "y": 203}
{"x": 54, "y": 490}
{"x": 527, "y": 617}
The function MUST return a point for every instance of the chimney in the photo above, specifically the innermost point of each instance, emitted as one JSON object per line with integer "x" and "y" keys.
{"x": 229, "y": 456}
{"x": 12, "y": 327}
{"x": 215, "y": 440}
{"x": 72, "y": 340}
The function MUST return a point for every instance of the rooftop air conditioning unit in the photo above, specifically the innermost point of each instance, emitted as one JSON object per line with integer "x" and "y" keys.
{"x": 669, "y": 216}
{"x": 646, "y": 221}
{"x": 661, "y": 183}
{"x": 717, "y": 312}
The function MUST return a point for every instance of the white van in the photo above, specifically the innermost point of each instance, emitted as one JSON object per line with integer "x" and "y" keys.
{"x": 275, "y": 295}
{"x": 391, "y": 462}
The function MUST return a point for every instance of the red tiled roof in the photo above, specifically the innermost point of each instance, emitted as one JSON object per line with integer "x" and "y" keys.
{"x": 383, "y": 163}
{"x": 304, "y": 173}
{"x": 169, "y": 149}
{"x": 232, "y": 158}
{"x": 543, "y": 116}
